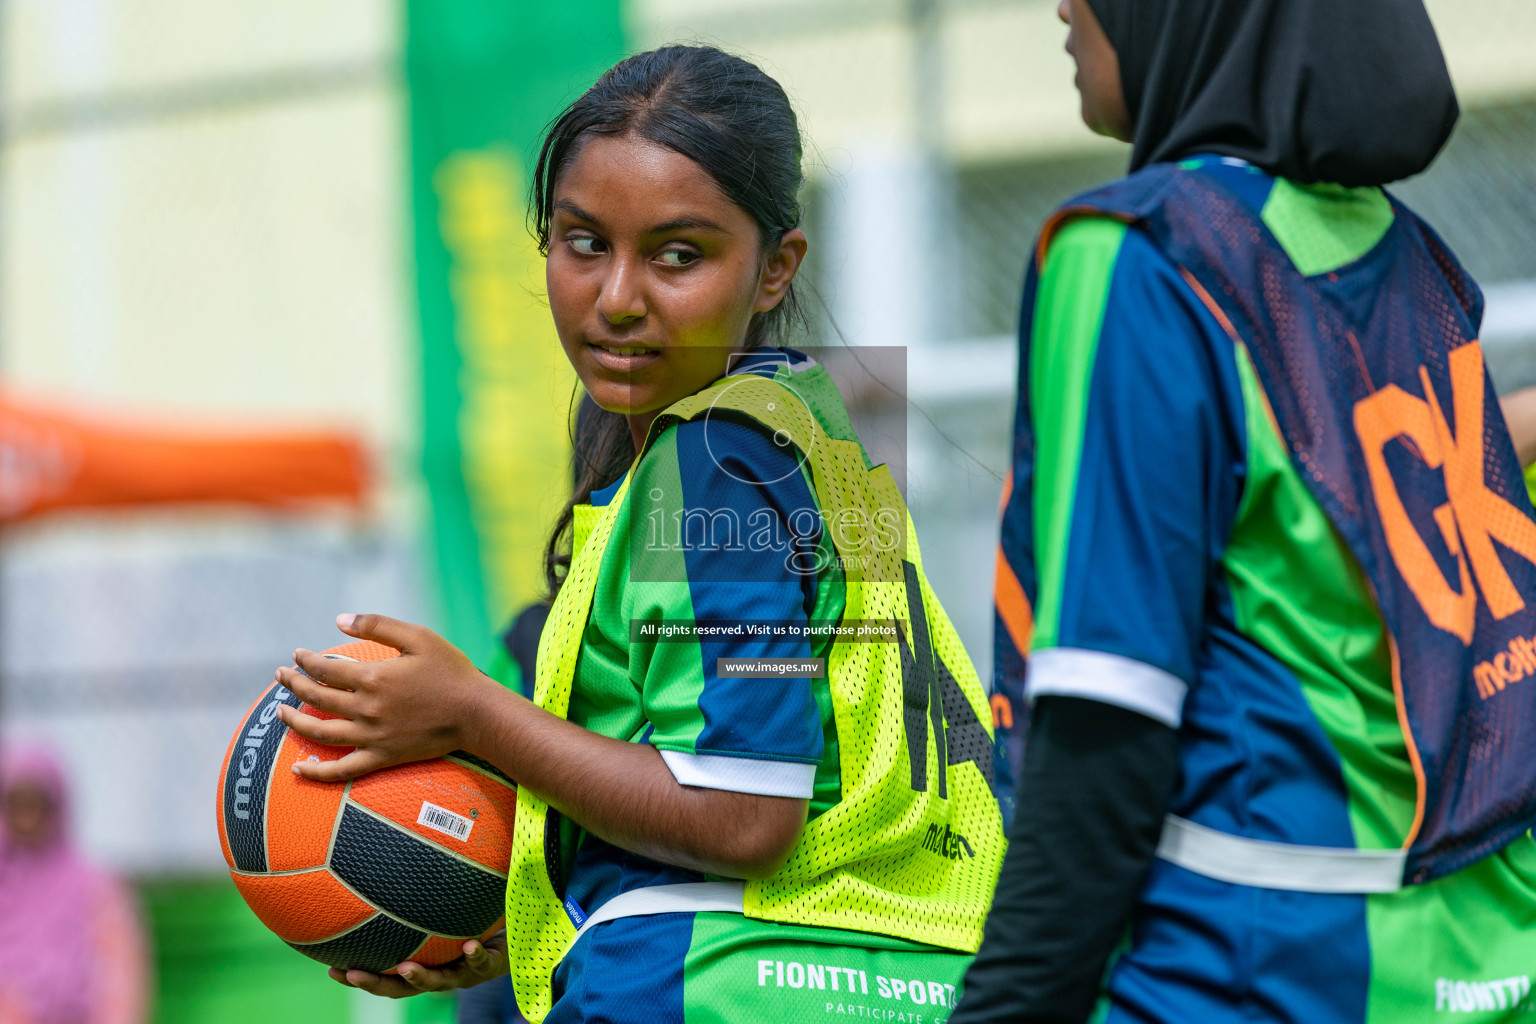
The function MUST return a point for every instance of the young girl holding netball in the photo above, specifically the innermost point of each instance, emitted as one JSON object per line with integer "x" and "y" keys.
{"x": 690, "y": 842}
{"x": 1267, "y": 553}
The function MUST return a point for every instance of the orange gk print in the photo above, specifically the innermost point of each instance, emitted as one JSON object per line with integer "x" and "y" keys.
{"x": 1474, "y": 516}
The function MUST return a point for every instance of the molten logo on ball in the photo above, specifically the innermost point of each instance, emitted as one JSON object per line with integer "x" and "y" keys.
{"x": 249, "y": 755}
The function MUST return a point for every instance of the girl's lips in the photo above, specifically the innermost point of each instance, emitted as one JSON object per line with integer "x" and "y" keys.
{"x": 611, "y": 360}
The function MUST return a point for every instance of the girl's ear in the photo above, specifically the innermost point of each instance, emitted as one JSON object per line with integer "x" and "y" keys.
{"x": 779, "y": 269}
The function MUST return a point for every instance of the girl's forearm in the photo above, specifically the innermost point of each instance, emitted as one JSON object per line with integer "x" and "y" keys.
{"x": 625, "y": 794}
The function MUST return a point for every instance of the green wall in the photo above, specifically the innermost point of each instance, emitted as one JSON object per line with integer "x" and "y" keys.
{"x": 485, "y": 77}
{"x": 215, "y": 963}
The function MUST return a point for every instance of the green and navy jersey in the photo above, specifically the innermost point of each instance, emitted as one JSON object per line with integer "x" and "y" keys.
{"x": 721, "y": 526}
{"x": 1183, "y": 569}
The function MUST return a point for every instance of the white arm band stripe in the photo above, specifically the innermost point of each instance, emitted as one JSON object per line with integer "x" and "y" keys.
{"x": 1108, "y": 678}
{"x": 742, "y": 774}
{"x": 1270, "y": 865}
{"x": 682, "y": 898}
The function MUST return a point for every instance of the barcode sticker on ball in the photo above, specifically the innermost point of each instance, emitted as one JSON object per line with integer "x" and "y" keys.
{"x": 440, "y": 819}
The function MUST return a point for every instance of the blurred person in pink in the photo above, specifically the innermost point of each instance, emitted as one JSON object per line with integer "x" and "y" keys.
{"x": 59, "y": 912}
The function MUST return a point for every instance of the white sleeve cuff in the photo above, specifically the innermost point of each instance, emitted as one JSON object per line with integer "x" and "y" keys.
{"x": 1108, "y": 678}
{"x": 742, "y": 774}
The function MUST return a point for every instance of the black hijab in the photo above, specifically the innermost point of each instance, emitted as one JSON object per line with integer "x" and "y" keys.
{"x": 1348, "y": 91}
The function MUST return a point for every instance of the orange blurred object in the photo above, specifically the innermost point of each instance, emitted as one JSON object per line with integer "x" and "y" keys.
{"x": 52, "y": 458}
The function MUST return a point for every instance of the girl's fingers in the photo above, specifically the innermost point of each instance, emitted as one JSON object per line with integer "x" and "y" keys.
{"x": 333, "y": 672}
{"x": 476, "y": 966}
{"x": 316, "y": 695}
{"x": 380, "y": 985}
{"x": 359, "y": 762}
{"x": 331, "y": 732}
{"x": 405, "y": 637}
{"x": 425, "y": 979}
{"x": 486, "y": 961}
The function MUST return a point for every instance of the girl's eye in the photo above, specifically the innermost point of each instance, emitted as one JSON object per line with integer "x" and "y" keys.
{"x": 585, "y": 245}
{"x": 678, "y": 257}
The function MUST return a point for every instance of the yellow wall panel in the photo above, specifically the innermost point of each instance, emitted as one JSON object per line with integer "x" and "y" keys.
{"x": 70, "y": 48}
{"x": 248, "y": 261}
{"x": 1007, "y": 83}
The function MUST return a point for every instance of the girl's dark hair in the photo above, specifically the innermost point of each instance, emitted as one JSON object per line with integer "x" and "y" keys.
{"x": 727, "y": 116}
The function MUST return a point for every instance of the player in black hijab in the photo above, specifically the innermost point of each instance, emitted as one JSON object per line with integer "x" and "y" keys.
{"x": 1353, "y": 92}
{"x": 1292, "y": 98}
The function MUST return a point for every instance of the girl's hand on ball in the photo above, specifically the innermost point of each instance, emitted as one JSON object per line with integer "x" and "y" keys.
{"x": 408, "y": 708}
{"x": 480, "y": 962}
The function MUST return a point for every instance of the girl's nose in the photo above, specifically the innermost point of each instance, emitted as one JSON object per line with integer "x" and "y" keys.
{"x": 622, "y": 300}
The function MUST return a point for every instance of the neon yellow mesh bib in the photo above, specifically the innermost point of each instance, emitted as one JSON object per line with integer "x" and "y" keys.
{"x": 913, "y": 847}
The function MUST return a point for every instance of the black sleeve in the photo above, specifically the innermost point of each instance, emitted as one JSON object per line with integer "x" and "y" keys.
{"x": 521, "y": 641}
{"x": 1095, "y": 785}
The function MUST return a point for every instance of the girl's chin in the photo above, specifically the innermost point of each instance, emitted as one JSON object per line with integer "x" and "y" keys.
{"x": 622, "y": 398}
{"x": 649, "y": 389}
